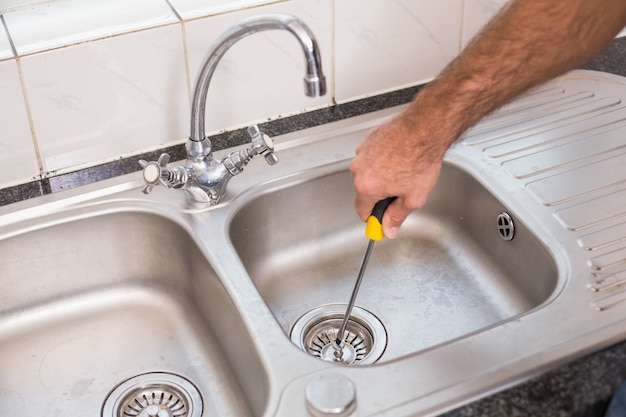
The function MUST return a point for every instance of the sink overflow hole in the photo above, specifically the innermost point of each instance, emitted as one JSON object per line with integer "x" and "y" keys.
{"x": 506, "y": 227}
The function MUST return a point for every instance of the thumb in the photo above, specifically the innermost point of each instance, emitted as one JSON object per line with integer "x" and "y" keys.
{"x": 393, "y": 218}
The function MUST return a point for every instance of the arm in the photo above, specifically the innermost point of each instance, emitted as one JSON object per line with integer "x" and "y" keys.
{"x": 527, "y": 43}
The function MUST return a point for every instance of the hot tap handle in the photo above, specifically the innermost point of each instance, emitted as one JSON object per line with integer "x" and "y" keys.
{"x": 154, "y": 172}
{"x": 262, "y": 144}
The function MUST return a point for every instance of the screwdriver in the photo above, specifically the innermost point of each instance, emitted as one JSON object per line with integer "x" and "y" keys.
{"x": 374, "y": 231}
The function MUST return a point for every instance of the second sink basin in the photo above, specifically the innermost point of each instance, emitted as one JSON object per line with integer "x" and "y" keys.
{"x": 449, "y": 273}
{"x": 91, "y": 300}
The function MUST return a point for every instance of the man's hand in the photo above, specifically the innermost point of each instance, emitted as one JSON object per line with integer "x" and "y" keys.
{"x": 396, "y": 159}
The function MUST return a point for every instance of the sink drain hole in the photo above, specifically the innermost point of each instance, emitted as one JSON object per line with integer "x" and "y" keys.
{"x": 365, "y": 338}
{"x": 155, "y": 394}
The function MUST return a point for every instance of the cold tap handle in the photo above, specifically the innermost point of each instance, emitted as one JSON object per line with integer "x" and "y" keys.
{"x": 262, "y": 144}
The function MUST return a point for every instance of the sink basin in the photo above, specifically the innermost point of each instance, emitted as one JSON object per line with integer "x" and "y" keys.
{"x": 449, "y": 273}
{"x": 94, "y": 299}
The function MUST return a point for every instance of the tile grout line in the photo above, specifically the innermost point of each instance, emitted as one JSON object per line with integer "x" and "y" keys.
{"x": 462, "y": 25}
{"x": 183, "y": 29}
{"x": 333, "y": 52}
{"x": 29, "y": 114}
{"x": 186, "y": 58}
{"x": 30, "y": 118}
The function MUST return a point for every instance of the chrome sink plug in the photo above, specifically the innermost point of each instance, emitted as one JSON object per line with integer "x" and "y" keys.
{"x": 203, "y": 177}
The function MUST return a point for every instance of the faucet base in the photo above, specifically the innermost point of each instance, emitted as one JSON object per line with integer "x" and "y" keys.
{"x": 203, "y": 177}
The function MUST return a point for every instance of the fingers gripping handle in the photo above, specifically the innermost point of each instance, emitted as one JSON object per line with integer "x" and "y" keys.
{"x": 374, "y": 225}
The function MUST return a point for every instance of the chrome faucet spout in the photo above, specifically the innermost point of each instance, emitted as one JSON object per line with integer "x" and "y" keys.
{"x": 204, "y": 177}
{"x": 314, "y": 80}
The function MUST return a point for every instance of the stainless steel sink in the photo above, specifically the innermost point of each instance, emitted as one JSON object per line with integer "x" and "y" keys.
{"x": 89, "y": 299}
{"x": 450, "y": 273}
{"x": 108, "y": 295}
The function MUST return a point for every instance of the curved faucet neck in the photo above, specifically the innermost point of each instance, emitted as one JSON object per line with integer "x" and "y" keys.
{"x": 314, "y": 81}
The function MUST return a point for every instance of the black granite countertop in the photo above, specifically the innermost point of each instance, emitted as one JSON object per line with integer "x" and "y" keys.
{"x": 582, "y": 388}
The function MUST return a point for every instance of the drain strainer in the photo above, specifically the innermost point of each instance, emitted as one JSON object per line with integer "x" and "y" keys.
{"x": 155, "y": 394}
{"x": 365, "y": 338}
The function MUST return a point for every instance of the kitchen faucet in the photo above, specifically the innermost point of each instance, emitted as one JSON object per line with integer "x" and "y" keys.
{"x": 203, "y": 177}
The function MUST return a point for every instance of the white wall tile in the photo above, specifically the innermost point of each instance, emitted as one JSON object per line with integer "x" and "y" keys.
{"x": 5, "y": 46}
{"x": 103, "y": 99}
{"x": 17, "y": 153}
{"x": 66, "y": 22}
{"x": 8, "y": 5}
{"x": 383, "y": 45}
{"x": 477, "y": 14}
{"x": 99, "y": 100}
{"x": 260, "y": 77}
{"x": 188, "y": 9}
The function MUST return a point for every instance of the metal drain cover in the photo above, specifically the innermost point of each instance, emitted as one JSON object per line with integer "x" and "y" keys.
{"x": 155, "y": 394}
{"x": 506, "y": 227}
{"x": 365, "y": 337}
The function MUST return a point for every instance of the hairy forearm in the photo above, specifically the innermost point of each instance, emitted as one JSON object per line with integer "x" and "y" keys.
{"x": 529, "y": 42}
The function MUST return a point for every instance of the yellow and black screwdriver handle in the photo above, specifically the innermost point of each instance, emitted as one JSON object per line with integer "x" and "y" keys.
{"x": 374, "y": 225}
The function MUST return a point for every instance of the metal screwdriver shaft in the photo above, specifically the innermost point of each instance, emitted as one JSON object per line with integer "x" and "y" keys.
{"x": 374, "y": 231}
{"x": 339, "y": 340}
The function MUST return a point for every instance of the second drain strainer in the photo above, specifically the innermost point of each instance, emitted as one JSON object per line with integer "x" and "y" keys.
{"x": 365, "y": 337}
{"x": 155, "y": 394}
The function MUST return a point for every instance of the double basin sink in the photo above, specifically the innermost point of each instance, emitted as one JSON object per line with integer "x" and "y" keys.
{"x": 114, "y": 303}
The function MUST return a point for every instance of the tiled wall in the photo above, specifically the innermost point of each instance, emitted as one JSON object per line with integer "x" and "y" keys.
{"x": 86, "y": 81}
